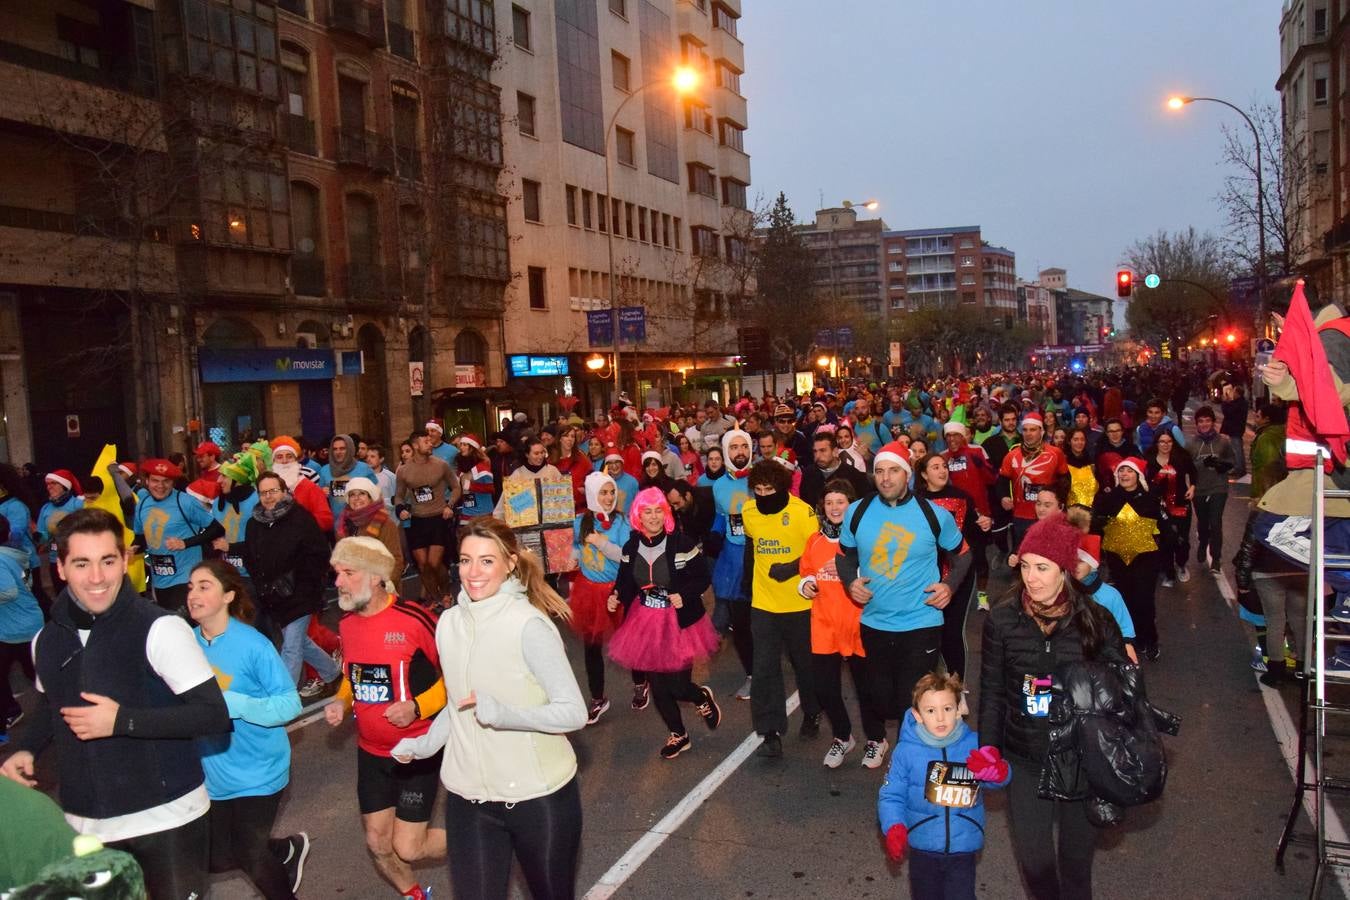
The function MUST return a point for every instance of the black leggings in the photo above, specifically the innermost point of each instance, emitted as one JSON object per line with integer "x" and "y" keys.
{"x": 954, "y": 627}
{"x": 741, "y": 636}
{"x": 1055, "y": 867}
{"x": 240, "y": 839}
{"x": 1138, "y": 584}
{"x": 9, "y": 655}
{"x": 668, "y": 689}
{"x": 595, "y": 669}
{"x": 543, "y": 833}
{"x": 174, "y": 861}
{"x": 829, "y": 689}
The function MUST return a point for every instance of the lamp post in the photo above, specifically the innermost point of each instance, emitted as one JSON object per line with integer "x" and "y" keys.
{"x": 682, "y": 81}
{"x": 870, "y": 206}
{"x": 1176, "y": 103}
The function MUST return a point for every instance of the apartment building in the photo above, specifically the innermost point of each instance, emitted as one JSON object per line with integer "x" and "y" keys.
{"x": 1312, "y": 108}
{"x": 604, "y": 154}
{"x": 232, "y": 218}
{"x": 948, "y": 267}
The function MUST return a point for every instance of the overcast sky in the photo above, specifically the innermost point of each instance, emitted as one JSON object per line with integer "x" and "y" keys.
{"x": 1042, "y": 121}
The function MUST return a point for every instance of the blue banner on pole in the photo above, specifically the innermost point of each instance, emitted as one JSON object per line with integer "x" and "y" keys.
{"x": 633, "y": 324}
{"x": 600, "y": 328}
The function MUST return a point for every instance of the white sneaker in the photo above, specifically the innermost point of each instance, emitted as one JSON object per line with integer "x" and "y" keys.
{"x": 744, "y": 692}
{"x": 311, "y": 689}
{"x": 874, "y": 754}
{"x": 1183, "y": 575}
{"x": 834, "y": 757}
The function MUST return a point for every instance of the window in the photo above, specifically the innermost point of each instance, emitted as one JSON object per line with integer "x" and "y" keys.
{"x": 732, "y": 136}
{"x": 728, "y": 77}
{"x": 520, "y": 27}
{"x": 701, "y": 180}
{"x": 625, "y": 146}
{"x": 733, "y": 193}
{"x": 698, "y": 117}
{"x": 967, "y": 262}
{"x": 1319, "y": 22}
{"x": 535, "y": 277}
{"x": 616, "y": 216}
{"x": 619, "y": 7}
{"x": 676, "y": 231}
{"x": 529, "y": 191}
{"x": 703, "y": 240}
{"x": 642, "y": 224}
{"x": 1320, "y": 73}
{"x": 967, "y": 243}
{"x": 586, "y": 209}
{"x": 247, "y": 204}
{"x": 601, "y": 205}
{"x": 525, "y": 113}
{"x": 621, "y": 69}
{"x": 735, "y": 249}
{"x": 724, "y": 19}
{"x": 665, "y": 229}
{"x": 580, "y": 75}
{"x": 470, "y": 348}
{"x": 571, "y": 205}
{"x": 628, "y": 220}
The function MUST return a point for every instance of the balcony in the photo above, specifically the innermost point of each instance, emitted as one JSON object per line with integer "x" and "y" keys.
{"x": 124, "y": 79}
{"x": 1337, "y": 240}
{"x": 402, "y": 41}
{"x": 409, "y": 162}
{"x": 363, "y": 20}
{"x": 298, "y": 7}
{"x": 365, "y": 149}
{"x": 307, "y": 276}
{"x": 366, "y": 281}
{"x": 298, "y": 134}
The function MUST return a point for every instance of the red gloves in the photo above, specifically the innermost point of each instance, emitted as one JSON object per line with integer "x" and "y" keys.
{"x": 896, "y": 841}
{"x": 987, "y": 764}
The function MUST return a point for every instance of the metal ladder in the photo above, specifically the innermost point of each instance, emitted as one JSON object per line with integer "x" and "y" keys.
{"x": 1309, "y": 774}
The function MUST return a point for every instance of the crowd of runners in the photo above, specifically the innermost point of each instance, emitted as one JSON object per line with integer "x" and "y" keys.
{"x": 857, "y": 529}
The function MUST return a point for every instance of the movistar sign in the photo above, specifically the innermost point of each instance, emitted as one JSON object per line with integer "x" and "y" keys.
{"x": 266, "y": 364}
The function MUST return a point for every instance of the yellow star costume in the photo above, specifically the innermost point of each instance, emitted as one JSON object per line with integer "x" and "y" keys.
{"x": 1128, "y": 535}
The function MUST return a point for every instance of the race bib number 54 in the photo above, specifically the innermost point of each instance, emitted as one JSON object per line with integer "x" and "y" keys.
{"x": 1036, "y": 695}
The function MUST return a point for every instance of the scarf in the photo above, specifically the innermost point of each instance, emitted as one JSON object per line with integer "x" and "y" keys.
{"x": 341, "y": 470}
{"x": 830, "y": 529}
{"x": 268, "y": 516}
{"x": 1047, "y": 617}
{"x": 714, "y": 474}
{"x": 235, "y": 496}
{"x": 534, "y": 470}
{"x": 368, "y": 518}
{"x": 64, "y": 498}
{"x": 928, "y": 739}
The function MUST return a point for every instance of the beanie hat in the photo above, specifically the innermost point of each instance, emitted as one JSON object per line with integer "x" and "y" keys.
{"x": 161, "y": 467}
{"x": 204, "y": 489}
{"x": 66, "y": 479}
{"x": 647, "y": 498}
{"x": 1031, "y": 418}
{"x": 594, "y": 482}
{"x": 286, "y": 441}
{"x": 783, "y": 409}
{"x": 1056, "y": 540}
{"x": 895, "y": 452}
{"x": 727, "y": 438}
{"x": 208, "y": 448}
{"x": 365, "y": 554}
{"x": 1132, "y": 462}
{"x": 365, "y": 484}
{"x": 471, "y": 439}
{"x": 954, "y": 428}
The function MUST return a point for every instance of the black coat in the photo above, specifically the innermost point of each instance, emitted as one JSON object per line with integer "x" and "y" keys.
{"x": 1014, "y": 648}
{"x": 814, "y": 481}
{"x": 288, "y": 562}
{"x": 697, "y": 521}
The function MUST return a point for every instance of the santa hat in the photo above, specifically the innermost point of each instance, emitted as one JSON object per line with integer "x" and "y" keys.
{"x": 612, "y": 453}
{"x": 66, "y": 479}
{"x": 1132, "y": 462}
{"x": 471, "y": 439}
{"x": 731, "y": 434}
{"x": 895, "y": 452}
{"x": 288, "y": 442}
{"x": 786, "y": 458}
{"x": 652, "y": 496}
{"x": 1031, "y": 418}
{"x": 954, "y": 428}
{"x": 1056, "y": 540}
{"x": 371, "y": 489}
{"x": 434, "y": 424}
{"x": 128, "y": 469}
{"x": 652, "y": 454}
{"x": 162, "y": 468}
{"x": 208, "y": 448}
{"x": 1090, "y": 550}
{"x": 594, "y": 482}
{"x": 204, "y": 490}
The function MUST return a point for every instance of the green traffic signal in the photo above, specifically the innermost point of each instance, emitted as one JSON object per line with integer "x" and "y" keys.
{"x": 1151, "y": 280}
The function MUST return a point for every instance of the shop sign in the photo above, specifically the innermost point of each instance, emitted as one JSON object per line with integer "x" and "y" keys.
{"x": 526, "y": 366}
{"x": 417, "y": 378}
{"x": 470, "y": 377}
{"x": 266, "y": 364}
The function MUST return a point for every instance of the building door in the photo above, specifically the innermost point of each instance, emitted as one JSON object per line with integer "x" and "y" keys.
{"x": 316, "y": 409}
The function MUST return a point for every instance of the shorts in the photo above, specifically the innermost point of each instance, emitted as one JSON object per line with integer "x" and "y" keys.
{"x": 383, "y": 782}
{"x": 427, "y": 531}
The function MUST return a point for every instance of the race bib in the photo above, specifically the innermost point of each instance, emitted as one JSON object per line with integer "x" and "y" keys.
{"x": 655, "y": 597}
{"x": 371, "y": 683}
{"x": 737, "y": 525}
{"x": 1036, "y": 695}
{"x": 235, "y": 560}
{"x": 1029, "y": 492}
{"x": 163, "y": 565}
{"x": 338, "y": 490}
{"x": 423, "y": 494}
{"x": 951, "y": 785}
{"x": 956, "y": 464}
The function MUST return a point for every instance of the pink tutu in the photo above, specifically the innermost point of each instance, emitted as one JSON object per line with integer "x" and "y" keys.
{"x": 591, "y": 619}
{"x": 651, "y": 640}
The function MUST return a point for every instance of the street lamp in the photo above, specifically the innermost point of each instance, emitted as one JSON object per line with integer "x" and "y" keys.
{"x": 870, "y": 206}
{"x": 683, "y": 80}
{"x": 1176, "y": 103}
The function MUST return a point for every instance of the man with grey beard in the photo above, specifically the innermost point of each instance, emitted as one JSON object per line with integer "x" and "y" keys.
{"x": 392, "y": 682}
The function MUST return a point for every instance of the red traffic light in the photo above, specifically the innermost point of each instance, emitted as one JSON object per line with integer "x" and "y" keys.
{"x": 1124, "y": 282}
{"x": 1230, "y": 337}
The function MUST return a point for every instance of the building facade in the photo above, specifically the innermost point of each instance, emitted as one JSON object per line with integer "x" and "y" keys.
{"x": 948, "y": 267}
{"x": 606, "y": 157}
{"x": 229, "y": 220}
{"x": 1312, "y": 66}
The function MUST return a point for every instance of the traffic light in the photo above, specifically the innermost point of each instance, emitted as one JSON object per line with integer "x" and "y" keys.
{"x": 1124, "y": 282}
{"x": 1230, "y": 338}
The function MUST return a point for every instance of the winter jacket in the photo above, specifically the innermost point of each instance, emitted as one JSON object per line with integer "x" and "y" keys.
{"x": 931, "y": 791}
{"x": 1145, "y": 433}
{"x": 288, "y": 560}
{"x": 1214, "y": 459}
{"x": 1016, "y": 667}
{"x": 689, "y": 574}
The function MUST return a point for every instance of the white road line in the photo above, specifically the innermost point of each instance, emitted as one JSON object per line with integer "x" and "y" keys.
{"x": 655, "y": 836}
{"x": 309, "y": 714}
{"x": 1286, "y": 735}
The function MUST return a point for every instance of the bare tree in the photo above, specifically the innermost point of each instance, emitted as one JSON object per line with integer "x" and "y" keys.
{"x": 1287, "y": 186}
{"x": 1194, "y": 269}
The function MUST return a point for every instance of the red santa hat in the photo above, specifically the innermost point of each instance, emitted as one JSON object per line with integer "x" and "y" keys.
{"x": 128, "y": 469}
{"x": 612, "y": 452}
{"x": 66, "y": 479}
{"x": 471, "y": 439}
{"x": 786, "y": 458}
{"x": 1031, "y": 418}
{"x": 434, "y": 424}
{"x": 954, "y": 428}
{"x": 204, "y": 490}
{"x": 895, "y": 452}
{"x": 652, "y": 454}
{"x": 1090, "y": 550}
{"x": 1132, "y": 462}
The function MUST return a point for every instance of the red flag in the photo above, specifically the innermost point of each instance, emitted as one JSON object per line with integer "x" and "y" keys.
{"x": 1301, "y": 350}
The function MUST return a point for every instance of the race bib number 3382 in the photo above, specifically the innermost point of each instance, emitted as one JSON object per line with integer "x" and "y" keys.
{"x": 372, "y": 683}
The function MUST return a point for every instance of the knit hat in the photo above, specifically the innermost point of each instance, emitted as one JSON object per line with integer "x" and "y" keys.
{"x": 66, "y": 479}
{"x": 647, "y": 498}
{"x": 471, "y": 439}
{"x": 895, "y": 452}
{"x": 161, "y": 467}
{"x": 1031, "y": 418}
{"x": 1132, "y": 462}
{"x": 727, "y": 438}
{"x": 365, "y": 484}
{"x": 434, "y": 425}
{"x": 1056, "y": 540}
{"x": 1090, "y": 551}
{"x": 594, "y": 482}
{"x": 783, "y": 409}
{"x": 954, "y": 428}
{"x": 786, "y": 458}
{"x": 204, "y": 489}
{"x": 365, "y": 554}
{"x": 286, "y": 441}
{"x": 208, "y": 448}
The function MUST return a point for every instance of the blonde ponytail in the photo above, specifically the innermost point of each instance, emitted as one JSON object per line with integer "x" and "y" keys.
{"x": 529, "y": 568}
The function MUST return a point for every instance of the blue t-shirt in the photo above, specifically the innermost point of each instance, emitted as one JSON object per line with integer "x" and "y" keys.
{"x": 897, "y": 552}
{"x": 20, "y": 616}
{"x": 337, "y": 488}
{"x": 20, "y": 528}
{"x": 176, "y": 516}
{"x": 446, "y": 451}
{"x": 627, "y": 487}
{"x": 235, "y": 523}
{"x": 50, "y": 516}
{"x": 729, "y": 495}
{"x": 254, "y": 759}
{"x": 1110, "y": 599}
{"x": 594, "y": 565}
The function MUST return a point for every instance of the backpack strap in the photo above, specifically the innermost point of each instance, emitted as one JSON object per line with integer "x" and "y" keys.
{"x": 931, "y": 517}
{"x": 858, "y": 514}
{"x": 924, "y": 505}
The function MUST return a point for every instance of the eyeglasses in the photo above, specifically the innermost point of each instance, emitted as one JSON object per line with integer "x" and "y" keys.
{"x": 274, "y": 492}
{"x": 785, "y": 418}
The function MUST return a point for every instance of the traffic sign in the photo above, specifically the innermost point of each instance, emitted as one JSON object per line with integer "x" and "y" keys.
{"x": 1151, "y": 280}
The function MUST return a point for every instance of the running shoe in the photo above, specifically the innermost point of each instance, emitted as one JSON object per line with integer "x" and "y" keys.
{"x": 708, "y": 709}
{"x": 642, "y": 695}
{"x": 982, "y": 600}
{"x": 1258, "y": 662}
{"x": 874, "y": 753}
{"x": 312, "y": 688}
{"x": 598, "y": 708}
{"x": 772, "y": 748}
{"x": 1183, "y": 575}
{"x": 13, "y": 719}
{"x": 1168, "y": 582}
{"x": 834, "y": 757}
{"x": 295, "y": 859}
{"x": 743, "y": 693}
{"x": 675, "y": 745}
{"x": 810, "y": 727}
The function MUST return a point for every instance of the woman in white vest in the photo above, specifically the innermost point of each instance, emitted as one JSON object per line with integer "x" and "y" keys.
{"x": 509, "y": 771}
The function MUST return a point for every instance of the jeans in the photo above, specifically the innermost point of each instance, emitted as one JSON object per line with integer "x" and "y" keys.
{"x": 1284, "y": 600}
{"x": 297, "y": 646}
{"x": 941, "y": 876}
{"x": 1054, "y": 866}
{"x": 776, "y": 633}
{"x": 1239, "y": 459}
{"x": 896, "y": 660}
{"x": 1209, "y": 526}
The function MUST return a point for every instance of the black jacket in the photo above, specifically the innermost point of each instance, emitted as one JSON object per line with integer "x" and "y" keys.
{"x": 814, "y": 481}
{"x": 689, "y": 574}
{"x": 288, "y": 561}
{"x": 1015, "y": 653}
{"x": 697, "y": 521}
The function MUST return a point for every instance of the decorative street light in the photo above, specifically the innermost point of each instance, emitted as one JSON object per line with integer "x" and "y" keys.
{"x": 1176, "y": 103}
{"x": 682, "y": 81}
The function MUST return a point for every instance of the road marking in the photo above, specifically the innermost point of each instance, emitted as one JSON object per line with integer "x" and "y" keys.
{"x": 309, "y": 714}
{"x": 655, "y": 836}
{"x": 1286, "y": 735}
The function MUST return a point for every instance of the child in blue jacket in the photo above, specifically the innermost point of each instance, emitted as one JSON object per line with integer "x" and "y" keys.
{"x": 931, "y": 799}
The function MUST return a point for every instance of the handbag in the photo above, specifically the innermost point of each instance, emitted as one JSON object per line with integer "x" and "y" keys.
{"x": 280, "y": 588}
